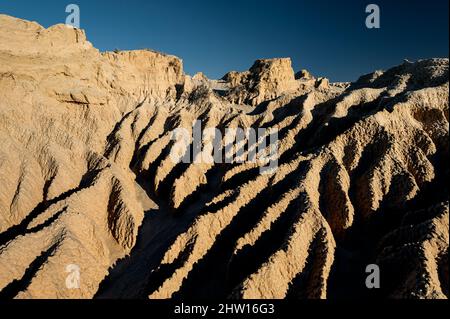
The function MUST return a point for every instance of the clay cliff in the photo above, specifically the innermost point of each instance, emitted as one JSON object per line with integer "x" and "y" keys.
{"x": 86, "y": 177}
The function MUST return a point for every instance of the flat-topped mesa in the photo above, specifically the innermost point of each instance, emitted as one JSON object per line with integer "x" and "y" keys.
{"x": 24, "y": 38}
{"x": 265, "y": 80}
{"x": 65, "y": 66}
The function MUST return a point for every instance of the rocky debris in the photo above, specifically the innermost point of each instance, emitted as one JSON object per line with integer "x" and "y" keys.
{"x": 200, "y": 77}
{"x": 87, "y": 179}
{"x": 322, "y": 83}
{"x": 304, "y": 75}
{"x": 267, "y": 79}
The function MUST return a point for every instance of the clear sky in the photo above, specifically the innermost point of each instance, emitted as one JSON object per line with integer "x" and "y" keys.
{"x": 327, "y": 37}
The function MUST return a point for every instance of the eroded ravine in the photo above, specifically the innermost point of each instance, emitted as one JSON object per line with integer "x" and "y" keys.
{"x": 88, "y": 179}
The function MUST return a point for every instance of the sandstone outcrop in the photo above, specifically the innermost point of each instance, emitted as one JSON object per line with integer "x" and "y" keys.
{"x": 86, "y": 177}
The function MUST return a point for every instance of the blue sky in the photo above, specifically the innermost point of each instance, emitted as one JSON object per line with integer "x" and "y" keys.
{"x": 327, "y": 37}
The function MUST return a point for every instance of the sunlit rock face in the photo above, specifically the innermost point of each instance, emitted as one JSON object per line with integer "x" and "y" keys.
{"x": 88, "y": 187}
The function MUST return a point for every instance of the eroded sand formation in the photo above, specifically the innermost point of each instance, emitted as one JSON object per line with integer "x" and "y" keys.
{"x": 86, "y": 177}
